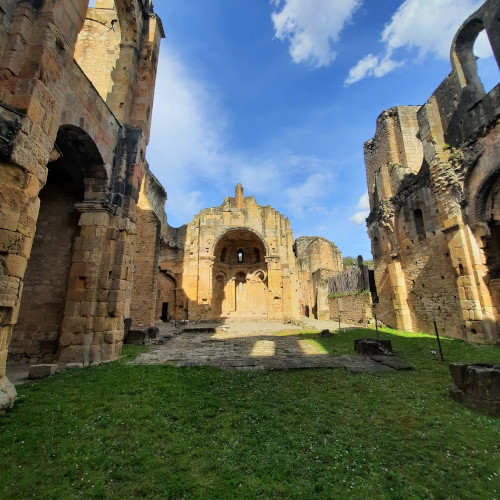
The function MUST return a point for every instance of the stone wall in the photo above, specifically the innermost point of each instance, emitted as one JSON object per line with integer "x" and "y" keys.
{"x": 239, "y": 260}
{"x": 149, "y": 222}
{"x": 36, "y": 335}
{"x": 51, "y": 114}
{"x": 433, "y": 183}
{"x": 353, "y": 308}
{"x": 143, "y": 300}
{"x": 317, "y": 260}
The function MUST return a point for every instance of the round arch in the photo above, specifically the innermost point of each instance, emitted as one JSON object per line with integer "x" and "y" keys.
{"x": 74, "y": 149}
{"x": 239, "y": 274}
{"x": 240, "y": 229}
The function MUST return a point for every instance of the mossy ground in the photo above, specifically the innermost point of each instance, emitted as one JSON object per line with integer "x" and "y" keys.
{"x": 123, "y": 431}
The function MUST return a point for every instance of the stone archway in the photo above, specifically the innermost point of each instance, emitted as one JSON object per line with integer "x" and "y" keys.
{"x": 240, "y": 275}
{"x": 166, "y": 303}
{"x": 75, "y": 174}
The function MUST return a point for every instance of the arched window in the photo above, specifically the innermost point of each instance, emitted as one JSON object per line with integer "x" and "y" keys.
{"x": 256, "y": 254}
{"x": 223, "y": 255}
{"x": 487, "y": 68}
{"x": 419, "y": 223}
{"x": 240, "y": 255}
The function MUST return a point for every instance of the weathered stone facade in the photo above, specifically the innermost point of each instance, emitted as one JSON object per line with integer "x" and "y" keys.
{"x": 434, "y": 181}
{"x": 239, "y": 260}
{"x": 76, "y": 93}
{"x": 317, "y": 260}
{"x": 352, "y": 308}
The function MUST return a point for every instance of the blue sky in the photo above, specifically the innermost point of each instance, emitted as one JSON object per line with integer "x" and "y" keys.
{"x": 281, "y": 96}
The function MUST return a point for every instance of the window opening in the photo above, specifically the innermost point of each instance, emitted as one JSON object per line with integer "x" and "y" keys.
{"x": 240, "y": 255}
{"x": 223, "y": 255}
{"x": 419, "y": 223}
{"x": 256, "y": 254}
{"x": 487, "y": 67}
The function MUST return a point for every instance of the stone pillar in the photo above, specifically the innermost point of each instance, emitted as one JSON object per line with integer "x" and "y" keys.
{"x": 239, "y": 196}
{"x": 18, "y": 214}
{"x": 275, "y": 284}
{"x": 205, "y": 265}
{"x": 400, "y": 297}
{"x": 142, "y": 106}
{"x": 92, "y": 328}
{"x": 474, "y": 296}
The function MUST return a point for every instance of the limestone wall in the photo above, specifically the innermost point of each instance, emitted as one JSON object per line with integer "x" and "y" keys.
{"x": 234, "y": 260}
{"x": 317, "y": 260}
{"x": 353, "y": 308}
{"x": 143, "y": 300}
{"x": 52, "y": 117}
{"x": 434, "y": 227}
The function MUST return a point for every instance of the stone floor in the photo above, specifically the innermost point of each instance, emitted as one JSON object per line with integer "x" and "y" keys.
{"x": 251, "y": 346}
{"x": 241, "y": 345}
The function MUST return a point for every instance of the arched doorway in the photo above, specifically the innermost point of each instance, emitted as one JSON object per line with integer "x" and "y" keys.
{"x": 166, "y": 305}
{"x": 240, "y": 276}
{"x": 75, "y": 173}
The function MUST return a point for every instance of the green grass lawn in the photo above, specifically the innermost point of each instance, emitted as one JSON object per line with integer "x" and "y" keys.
{"x": 123, "y": 431}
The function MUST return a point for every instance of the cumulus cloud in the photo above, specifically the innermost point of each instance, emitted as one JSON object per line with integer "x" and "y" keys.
{"x": 312, "y": 27}
{"x": 371, "y": 65}
{"x": 425, "y": 25}
{"x": 363, "y": 210}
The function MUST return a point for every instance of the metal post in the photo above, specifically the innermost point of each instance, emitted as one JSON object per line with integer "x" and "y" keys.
{"x": 339, "y": 323}
{"x": 376, "y": 325}
{"x": 439, "y": 342}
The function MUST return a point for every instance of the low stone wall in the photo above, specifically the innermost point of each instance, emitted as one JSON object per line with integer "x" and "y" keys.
{"x": 355, "y": 308}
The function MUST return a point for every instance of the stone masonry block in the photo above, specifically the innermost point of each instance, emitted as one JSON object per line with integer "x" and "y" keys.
{"x": 15, "y": 265}
{"x": 42, "y": 371}
{"x": 75, "y": 354}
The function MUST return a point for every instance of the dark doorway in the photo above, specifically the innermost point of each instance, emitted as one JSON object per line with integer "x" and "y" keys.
{"x": 165, "y": 315}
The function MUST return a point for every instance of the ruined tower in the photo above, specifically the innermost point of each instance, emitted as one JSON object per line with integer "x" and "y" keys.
{"x": 433, "y": 184}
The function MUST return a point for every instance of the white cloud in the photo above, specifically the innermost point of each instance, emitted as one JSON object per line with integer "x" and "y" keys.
{"x": 371, "y": 65}
{"x": 363, "y": 210}
{"x": 186, "y": 133}
{"x": 189, "y": 155}
{"x": 425, "y": 25}
{"x": 312, "y": 27}
{"x": 306, "y": 195}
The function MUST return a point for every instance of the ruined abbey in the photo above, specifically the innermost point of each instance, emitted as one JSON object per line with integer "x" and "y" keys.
{"x": 76, "y": 94}
{"x": 434, "y": 187}
{"x": 85, "y": 248}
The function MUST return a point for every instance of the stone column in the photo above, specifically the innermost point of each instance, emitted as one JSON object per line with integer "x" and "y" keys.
{"x": 400, "y": 295}
{"x": 205, "y": 286}
{"x": 19, "y": 208}
{"x": 275, "y": 283}
{"x": 92, "y": 326}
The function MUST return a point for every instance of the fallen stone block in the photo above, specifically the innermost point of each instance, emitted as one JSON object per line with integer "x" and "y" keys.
{"x": 153, "y": 333}
{"x": 476, "y": 386}
{"x": 42, "y": 371}
{"x": 136, "y": 337}
{"x": 373, "y": 347}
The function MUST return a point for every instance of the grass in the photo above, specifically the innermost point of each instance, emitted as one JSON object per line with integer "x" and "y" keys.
{"x": 122, "y": 431}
